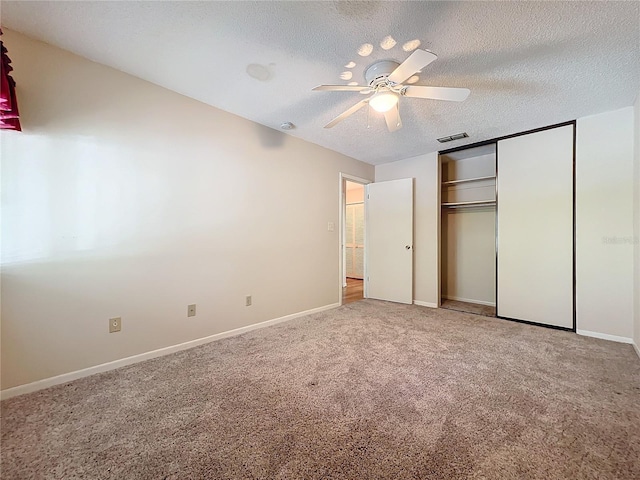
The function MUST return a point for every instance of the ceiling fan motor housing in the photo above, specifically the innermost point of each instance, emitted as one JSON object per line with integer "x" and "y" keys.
{"x": 379, "y": 71}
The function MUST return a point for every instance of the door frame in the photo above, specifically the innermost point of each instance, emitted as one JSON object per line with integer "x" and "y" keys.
{"x": 343, "y": 178}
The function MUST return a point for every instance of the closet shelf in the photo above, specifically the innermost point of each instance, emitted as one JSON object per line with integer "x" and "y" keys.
{"x": 465, "y": 180}
{"x": 475, "y": 203}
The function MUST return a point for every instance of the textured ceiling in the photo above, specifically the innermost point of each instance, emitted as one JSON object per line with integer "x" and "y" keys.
{"x": 528, "y": 64}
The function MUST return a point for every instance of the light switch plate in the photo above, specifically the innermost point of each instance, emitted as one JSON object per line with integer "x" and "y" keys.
{"x": 191, "y": 310}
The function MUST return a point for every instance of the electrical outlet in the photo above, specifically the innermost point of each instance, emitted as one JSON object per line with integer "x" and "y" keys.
{"x": 191, "y": 310}
{"x": 115, "y": 324}
{"x": 330, "y": 226}
{"x": 247, "y": 300}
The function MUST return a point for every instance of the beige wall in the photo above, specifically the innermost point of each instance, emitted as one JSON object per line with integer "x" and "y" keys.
{"x": 121, "y": 198}
{"x": 424, "y": 169}
{"x": 469, "y": 254}
{"x": 604, "y": 223}
{"x": 636, "y": 225}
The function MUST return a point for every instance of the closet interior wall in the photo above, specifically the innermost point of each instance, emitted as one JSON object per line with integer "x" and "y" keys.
{"x": 468, "y": 229}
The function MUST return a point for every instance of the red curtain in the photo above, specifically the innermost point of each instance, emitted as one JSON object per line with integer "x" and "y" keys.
{"x": 9, "y": 116}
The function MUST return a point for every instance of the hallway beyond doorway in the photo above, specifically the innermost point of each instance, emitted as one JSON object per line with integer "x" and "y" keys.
{"x": 353, "y": 291}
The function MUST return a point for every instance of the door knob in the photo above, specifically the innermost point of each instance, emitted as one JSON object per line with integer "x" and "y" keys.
{"x": 408, "y": 247}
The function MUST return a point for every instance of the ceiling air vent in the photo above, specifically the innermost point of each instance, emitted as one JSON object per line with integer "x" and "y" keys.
{"x": 457, "y": 136}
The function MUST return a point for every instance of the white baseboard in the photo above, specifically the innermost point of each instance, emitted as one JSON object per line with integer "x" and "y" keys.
{"x": 425, "y": 304}
{"x": 468, "y": 300}
{"x": 605, "y": 336}
{"x": 637, "y": 349}
{"x": 85, "y": 372}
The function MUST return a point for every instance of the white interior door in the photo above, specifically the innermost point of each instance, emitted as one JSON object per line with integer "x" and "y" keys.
{"x": 389, "y": 237}
{"x": 535, "y": 227}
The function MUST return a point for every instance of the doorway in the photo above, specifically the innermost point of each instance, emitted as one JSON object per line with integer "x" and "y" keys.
{"x": 353, "y": 289}
{"x": 352, "y": 239}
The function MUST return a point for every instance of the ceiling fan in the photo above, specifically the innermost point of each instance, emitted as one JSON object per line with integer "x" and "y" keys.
{"x": 384, "y": 81}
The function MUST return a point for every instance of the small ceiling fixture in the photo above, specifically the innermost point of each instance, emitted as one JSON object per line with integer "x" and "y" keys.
{"x": 287, "y": 126}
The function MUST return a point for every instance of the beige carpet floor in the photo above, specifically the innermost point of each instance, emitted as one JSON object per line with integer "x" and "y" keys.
{"x": 370, "y": 390}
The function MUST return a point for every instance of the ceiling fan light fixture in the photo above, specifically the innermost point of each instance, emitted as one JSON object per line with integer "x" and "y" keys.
{"x": 383, "y": 101}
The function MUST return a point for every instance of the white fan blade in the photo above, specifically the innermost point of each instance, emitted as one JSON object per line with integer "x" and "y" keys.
{"x": 393, "y": 119}
{"x": 348, "y": 112}
{"x": 416, "y": 61}
{"x": 436, "y": 93}
{"x": 342, "y": 88}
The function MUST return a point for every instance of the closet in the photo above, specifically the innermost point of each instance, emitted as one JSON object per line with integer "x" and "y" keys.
{"x": 467, "y": 244}
{"x": 507, "y": 230}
